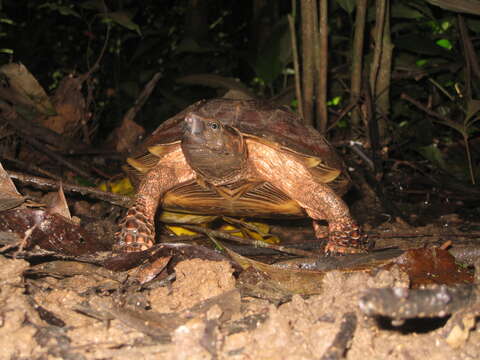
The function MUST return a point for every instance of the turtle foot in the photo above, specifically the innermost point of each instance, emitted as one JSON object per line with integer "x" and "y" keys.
{"x": 346, "y": 237}
{"x": 136, "y": 233}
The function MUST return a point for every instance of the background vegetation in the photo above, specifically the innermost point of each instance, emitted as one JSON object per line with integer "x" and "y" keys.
{"x": 399, "y": 77}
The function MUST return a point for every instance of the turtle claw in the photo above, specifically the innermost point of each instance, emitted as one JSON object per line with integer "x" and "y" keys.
{"x": 346, "y": 237}
{"x": 336, "y": 250}
{"x": 125, "y": 247}
{"x": 136, "y": 233}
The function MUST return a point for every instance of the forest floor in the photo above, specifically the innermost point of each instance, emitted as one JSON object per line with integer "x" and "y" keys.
{"x": 58, "y": 309}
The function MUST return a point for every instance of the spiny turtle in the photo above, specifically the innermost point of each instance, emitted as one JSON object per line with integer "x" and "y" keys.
{"x": 240, "y": 158}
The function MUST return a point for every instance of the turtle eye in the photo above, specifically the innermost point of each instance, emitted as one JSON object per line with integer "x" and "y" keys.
{"x": 213, "y": 126}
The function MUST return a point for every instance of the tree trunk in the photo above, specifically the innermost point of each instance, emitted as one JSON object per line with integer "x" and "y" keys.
{"x": 357, "y": 59}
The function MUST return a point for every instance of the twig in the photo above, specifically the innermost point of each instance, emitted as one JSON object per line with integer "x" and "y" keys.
{"x": 308, "y": 14}
{"x": 31, "y": 167}
{"x": 380, "y": 193}
{"x": 359, "y": 151}
{"x": 380, "y": 17}
{"x": 402, "y": 303}
{"x": 28, "y": 130}
{"x": 460, "y": 324}
{"x": 357, "y": 58}
{"x": 246, "y": 250}
{"x": 46, "y": 184}
{"x": 96, "y": 66}
{"x": 298, "y": 88}
{"x": 20, "y": 244}
{"x": 124, "y": 143}
{"x": 344, "y": 112}
{"x": 40, "y": 147}
{"x": 403, "y": 235}
{"x": 343, "y": 338}
{"x": 469, "y": 51}
{"x": 321, "y": 65}
{"x": 160, "y": 326}
{"x": 226, "y": 236}
{"x": 12, "y": 240}
{"x": 424, "y": 108}
{"x": 142, "y": 98}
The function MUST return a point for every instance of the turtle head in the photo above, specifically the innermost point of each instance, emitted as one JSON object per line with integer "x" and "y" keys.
{"x": 213, "y": 149}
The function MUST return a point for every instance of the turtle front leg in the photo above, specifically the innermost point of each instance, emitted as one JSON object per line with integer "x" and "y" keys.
{"x": 137, "y": 228}
{"x": 344, "y": 236}
{"x": 320, "y": 202}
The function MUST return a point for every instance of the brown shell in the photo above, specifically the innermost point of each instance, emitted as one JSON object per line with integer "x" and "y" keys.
{"x": 251, "y": 117}
{"x": 259, "y": 120}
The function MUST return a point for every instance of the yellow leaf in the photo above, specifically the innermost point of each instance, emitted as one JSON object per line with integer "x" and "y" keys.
{"x": 180, "y": 231}
{"x": 257, "y": 231}
{"x": 171, "y": 217}
{"x": 262, "y": 227}
{"x": 122, "y": 186}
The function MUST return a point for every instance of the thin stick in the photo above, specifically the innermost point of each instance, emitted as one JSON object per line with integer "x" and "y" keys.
{"x": 29, "y": 167}
{"x": 46, "y": 184}
{"x": 424, "y": 108}
{"x": 29, "y": 129}
{"x": 357, "y": 57}
{"x": 344, "y": 112}
{"x": 343, "y": 338}
{"x": 380, "y": 24}
{"x": 40, "y": 147}
{"x": 308, "y": 68}
{"x": 298, "y": 87}
{"x": 321, "y": 46}
{"x": 143, "y": 97}
{"x": 226, "y": 236}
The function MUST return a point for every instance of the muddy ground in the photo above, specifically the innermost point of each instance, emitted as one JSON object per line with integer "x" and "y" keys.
{"x": 57, "y": 309}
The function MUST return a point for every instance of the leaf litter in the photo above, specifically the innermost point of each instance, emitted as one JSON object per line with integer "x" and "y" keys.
{"x": 65, "y": 294}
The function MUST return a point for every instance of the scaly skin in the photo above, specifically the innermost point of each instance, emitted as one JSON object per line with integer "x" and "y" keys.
{"x": 264, "y": 164}
{"x": 320, "y": 202}
{"x": 137, "y": 229}
{"x": 344, "y": 237}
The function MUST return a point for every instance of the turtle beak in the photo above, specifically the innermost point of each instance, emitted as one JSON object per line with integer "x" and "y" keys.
{"x": 194, "y": 125}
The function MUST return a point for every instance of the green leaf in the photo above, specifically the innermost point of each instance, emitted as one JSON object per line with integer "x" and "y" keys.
{"x": 473, "y": 24}
{"x": 473, "y": 107}
{"x": 433, "y": 154}
{"x": 421, "y": 62}
{"x": 473, "y": 129}
{"x": 8, "y": 21}
{"x": 452, "y": 124}
{"x": 124, "y": 18}
{"x": 420, "y": 45}
{"x": 444, "y": 43}
{"x": 335, "y": 101}
{"x": 62, "y": 9}
{"x": 446, "y": 25}
{"x": 94, "y": 5}
{"x": 423, "y": 8}
{"x": 403, "y": 11}
{"x": 347, "y": 5}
